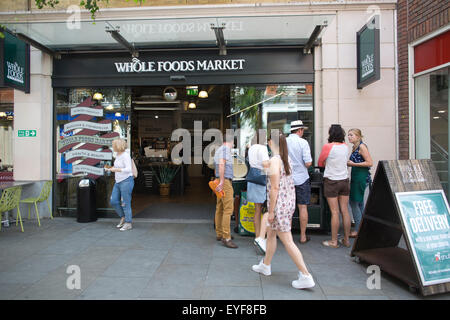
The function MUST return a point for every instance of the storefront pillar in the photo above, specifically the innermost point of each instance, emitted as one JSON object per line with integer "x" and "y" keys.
{"x": 34, "y": 111}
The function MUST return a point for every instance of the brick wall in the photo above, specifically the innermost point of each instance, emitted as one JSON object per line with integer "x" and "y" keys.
{"x": 415, "y": 19}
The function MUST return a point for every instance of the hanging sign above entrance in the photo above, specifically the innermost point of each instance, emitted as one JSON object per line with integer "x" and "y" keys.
{"x": 14, "y": 63}
{"x": 368, "y": 53}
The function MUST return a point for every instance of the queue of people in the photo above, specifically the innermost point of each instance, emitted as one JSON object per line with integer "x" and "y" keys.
{"x": 283, "y": 180}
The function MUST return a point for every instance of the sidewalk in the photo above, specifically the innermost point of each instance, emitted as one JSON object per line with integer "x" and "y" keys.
{"x": 170, "y": 261}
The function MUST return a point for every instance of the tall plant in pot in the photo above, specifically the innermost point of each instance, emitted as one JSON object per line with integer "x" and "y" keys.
{"x": 164, "y": 176}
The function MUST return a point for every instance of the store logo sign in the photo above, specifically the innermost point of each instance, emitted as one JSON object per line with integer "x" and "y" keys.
{"x": 367, "y": 65}
{"x": 15, "y": 72}
{"x": 180, "y": 66}
{"x": 441, "y": 257}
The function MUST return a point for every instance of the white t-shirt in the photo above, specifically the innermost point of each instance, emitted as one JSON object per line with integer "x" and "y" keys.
{"x": 257, "y": 153}
{"x": 335, "y": 157}
{"x": 123, "y": 162}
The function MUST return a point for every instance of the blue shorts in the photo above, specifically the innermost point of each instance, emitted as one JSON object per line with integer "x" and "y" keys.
{"x": 303, "y": 193}
{"x": 256, "y": 193}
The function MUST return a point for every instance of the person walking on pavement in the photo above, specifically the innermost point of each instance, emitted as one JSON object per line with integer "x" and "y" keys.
{"x": 300, "y": 155}
{"x": 224, "y": 207}
{"x": 360, "y": 162}
{"x": 124, "y": 185}
{"x": 336, "y": 184}
{"x": 281, "y": 204}
{"x": 258, "y": 157}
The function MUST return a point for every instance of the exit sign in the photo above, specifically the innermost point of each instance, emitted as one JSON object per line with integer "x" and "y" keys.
{"x": 27, "y": 133}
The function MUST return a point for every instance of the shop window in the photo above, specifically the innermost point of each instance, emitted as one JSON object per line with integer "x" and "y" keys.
{"x": 271, "y": 107}
{"x": 432, "y": 126}
{"x": 108, "y": 117}
{"x": 6, "y": 133}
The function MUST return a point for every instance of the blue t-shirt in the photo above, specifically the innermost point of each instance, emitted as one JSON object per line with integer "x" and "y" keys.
{"x": 224, "y": 152}
{"x": 300, "y": 153}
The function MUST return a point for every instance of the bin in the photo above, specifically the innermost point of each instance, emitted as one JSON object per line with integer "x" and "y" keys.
{"x": 86, "y": 201}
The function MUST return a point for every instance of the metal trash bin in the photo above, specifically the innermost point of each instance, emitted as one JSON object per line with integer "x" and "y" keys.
{"x": 86, "y": 201}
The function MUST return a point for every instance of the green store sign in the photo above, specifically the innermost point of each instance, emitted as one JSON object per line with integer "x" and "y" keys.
{"x": 426, "y": 218}
{"x": 368, "y": 53}
{"x": 15, "y": 63}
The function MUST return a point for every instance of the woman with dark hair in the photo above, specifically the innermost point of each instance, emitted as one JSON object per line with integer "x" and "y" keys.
{"x": 336, "y": 184}
{"x": 281, "y": 204}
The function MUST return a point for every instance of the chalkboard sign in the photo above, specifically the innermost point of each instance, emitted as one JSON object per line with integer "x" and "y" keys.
{"x": 407, "y": 200}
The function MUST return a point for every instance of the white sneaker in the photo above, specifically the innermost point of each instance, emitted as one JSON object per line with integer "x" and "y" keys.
{"x": 262, "y": 268}
{"x": 126, "y": 226}
{"x": 121, "y": 223}
{"x": 303, "y": 281}
{"x": 261, "y": 244}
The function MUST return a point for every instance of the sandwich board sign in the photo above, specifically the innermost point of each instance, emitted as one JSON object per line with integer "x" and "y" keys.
{"x": 405, "y": 228}
{"x": 426, "y": 217}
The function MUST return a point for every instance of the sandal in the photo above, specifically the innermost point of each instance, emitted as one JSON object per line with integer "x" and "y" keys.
{"x": 341, "y": 241}
{"x": 328, "y": 244}
{"x": 353, "y": 235}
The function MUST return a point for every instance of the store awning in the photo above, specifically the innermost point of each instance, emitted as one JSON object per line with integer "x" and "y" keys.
{"x": 141, "y": 34}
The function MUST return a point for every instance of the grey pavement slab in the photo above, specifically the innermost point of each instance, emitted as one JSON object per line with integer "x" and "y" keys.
{"x": 231, "y": 293}
{"x": 179, "y": 281}
{"x": 114, "y": 288}
{"x": 235, "y": 272}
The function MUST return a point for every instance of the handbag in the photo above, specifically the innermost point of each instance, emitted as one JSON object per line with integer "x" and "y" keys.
{"x": 254, "y": 176}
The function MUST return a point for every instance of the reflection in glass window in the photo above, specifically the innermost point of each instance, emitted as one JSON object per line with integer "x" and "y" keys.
{"x": 92, "y": 113}
{"x": 271, "y": 107}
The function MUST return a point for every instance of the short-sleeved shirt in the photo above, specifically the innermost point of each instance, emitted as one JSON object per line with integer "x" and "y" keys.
{"x": 300, "y": 153}
{"x": 257, "y": 154}
{"x": 224, "y": 152}
{"x": 335, "y": 155}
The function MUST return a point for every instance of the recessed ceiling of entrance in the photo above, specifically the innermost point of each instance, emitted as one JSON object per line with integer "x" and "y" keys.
{"x": 173, "y": 33}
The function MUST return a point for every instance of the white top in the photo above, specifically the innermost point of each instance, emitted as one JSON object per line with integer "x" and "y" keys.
{"x": 123, "y": 162}
{"x": 336, "y": 161}
{"x": 299, "y": 153}
{"x": 257, "y": 154}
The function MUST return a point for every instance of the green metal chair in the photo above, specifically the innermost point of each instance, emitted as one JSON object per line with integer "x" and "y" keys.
{"x": 9, "y": 200}
{"x": 45, "y": 192}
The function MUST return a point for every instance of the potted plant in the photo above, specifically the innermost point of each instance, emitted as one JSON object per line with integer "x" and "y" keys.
{"x": 165, "y": 176}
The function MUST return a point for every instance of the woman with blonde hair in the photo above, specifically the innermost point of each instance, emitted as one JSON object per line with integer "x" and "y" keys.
{"x": 124, "y": 184}
{"x": 360, "y": 162}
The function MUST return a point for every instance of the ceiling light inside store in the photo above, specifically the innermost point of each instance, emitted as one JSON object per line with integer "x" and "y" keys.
{"x": 441, "y": 111}
{"x": 436, "y": 118}
{"x": 110, "y": 107}
{"x": 98, "y": 96}
{"x": 118, "y": 114}
{"x": 2, "y": 114}
{"x": 156, "y": 117}
{"x": 192, "y": 105}
{"x": 203, "y": 94}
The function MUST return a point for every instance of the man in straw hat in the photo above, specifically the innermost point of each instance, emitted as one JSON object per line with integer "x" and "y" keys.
{"x": 300, "y": 155}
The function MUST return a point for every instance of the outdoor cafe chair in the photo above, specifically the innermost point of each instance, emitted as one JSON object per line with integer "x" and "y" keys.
{"x": 9, "y": 200}
{"x": 45, "y": 192}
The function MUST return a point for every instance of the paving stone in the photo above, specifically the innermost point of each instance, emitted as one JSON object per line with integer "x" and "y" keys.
{"x": 278, "y": 286}
{"x": 231, "y": 293}
{"x": 114, "y": 288}
{"x": 176, "y": 282}
{"x": 232, "y": 272}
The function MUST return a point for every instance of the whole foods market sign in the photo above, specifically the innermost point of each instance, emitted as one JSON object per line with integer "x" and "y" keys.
{"x": 426, "y": 218}
{"x": 368, "y": 53}
{"x": 15, "y": 63}
{"x": 137, "y": 65}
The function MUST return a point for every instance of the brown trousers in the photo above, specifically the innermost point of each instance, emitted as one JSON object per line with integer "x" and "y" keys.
{"x": 224, "y": 210}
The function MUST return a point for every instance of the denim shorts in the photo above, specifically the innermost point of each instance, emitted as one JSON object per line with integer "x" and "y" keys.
{"x": 256, "y": 193}
{"x": 303, "y": 193}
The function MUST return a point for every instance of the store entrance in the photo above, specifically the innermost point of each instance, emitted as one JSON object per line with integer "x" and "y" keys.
{"x": 156, "y": 113}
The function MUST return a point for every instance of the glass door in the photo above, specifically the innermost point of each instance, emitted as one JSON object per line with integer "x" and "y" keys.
{"x": 432, "y": 127}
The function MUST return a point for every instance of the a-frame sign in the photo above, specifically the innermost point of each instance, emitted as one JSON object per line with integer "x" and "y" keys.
{"x": 407, "y": 200}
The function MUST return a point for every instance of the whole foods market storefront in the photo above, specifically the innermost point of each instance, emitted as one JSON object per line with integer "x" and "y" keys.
{"x": 143, "y": 100}
{"x": 141, "y": 79}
